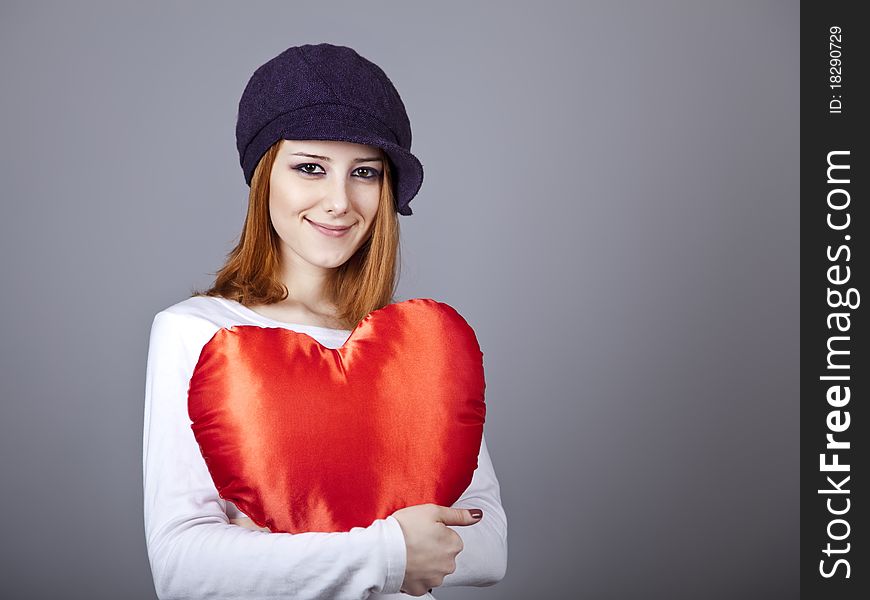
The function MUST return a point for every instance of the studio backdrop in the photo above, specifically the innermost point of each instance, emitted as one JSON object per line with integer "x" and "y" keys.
{"x": 610, "y": 198}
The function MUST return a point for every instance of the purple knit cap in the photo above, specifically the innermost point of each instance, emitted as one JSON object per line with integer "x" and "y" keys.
{"x": 327, "y": 92}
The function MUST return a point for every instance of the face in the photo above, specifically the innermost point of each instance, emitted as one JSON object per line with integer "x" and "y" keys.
{"x": 323, "y": 199}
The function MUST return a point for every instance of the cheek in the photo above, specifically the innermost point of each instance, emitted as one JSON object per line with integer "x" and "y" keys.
{"x": 370, "y": 201}
{"x": 286, "y": 201}
{"x": 284, "y": 216}
{"x": 281, "y": 223}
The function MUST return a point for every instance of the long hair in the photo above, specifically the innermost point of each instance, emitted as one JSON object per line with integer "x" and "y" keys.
{"x": 365, "y": 282}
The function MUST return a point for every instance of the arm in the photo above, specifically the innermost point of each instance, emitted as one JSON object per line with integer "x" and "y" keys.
{"x": 483, "y": 559}
{"x": 193, "y": 549}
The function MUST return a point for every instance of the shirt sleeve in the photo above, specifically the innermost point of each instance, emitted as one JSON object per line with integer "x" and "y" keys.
{"x": 483, "y": 559}
{"x": 193, "y": 550}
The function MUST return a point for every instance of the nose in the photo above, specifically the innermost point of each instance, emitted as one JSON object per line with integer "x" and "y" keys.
{"x": 336, "y": 201}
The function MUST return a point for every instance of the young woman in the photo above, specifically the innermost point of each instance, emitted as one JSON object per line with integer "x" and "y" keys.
{"x": 324, "y": 142}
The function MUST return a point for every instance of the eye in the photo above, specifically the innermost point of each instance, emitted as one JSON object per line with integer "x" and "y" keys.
{"x": 304, "y": 168}
{"x": 369, "y": 173}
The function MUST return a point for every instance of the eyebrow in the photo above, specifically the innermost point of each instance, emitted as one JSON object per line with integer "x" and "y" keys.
{"x": 326, "y": 158}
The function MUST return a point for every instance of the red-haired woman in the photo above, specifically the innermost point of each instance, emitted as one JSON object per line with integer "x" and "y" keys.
{"x": 324, "y": 142}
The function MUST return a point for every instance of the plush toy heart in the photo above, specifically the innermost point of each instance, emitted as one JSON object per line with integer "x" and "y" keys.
{"x": 307, "y": 438}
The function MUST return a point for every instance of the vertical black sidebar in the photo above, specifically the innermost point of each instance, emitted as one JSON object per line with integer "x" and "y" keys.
{"x": 835, "y": 433}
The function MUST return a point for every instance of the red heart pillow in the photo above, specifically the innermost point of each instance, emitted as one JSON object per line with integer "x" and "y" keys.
{"x": 302, "y": 437}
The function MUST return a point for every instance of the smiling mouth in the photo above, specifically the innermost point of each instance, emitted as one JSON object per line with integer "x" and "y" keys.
{"x": 332, "y": 227}
{"x": 331, "y": 231}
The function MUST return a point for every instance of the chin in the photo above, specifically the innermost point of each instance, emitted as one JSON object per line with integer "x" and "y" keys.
{"x": 328, "y": 262}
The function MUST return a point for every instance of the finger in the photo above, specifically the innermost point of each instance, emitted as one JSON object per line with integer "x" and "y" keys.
{"x": 459, "y": 516}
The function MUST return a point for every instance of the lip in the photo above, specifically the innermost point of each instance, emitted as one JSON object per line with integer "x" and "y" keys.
{"x": 331, "y": 231}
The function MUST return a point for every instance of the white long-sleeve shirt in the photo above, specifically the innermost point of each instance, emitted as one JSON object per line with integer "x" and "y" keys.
{"x": 194, "y": 550}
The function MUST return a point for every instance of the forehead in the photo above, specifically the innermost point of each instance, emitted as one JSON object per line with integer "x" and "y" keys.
{"x": 330, "y": 148}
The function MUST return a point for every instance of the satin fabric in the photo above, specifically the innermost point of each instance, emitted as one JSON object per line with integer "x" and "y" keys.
{"x": 302, "y": 437}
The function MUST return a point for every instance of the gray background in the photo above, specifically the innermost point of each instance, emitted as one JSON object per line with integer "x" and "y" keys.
{"x": 610, "y": 198}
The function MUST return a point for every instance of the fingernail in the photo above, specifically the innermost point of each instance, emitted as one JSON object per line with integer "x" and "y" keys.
{"x": 476, "y": 513}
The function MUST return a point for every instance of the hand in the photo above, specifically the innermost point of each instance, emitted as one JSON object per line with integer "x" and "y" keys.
{"x": 431, "y": 545}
